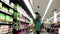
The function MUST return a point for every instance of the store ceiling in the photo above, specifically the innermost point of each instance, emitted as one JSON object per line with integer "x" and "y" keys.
{"x": 43, "y": 5}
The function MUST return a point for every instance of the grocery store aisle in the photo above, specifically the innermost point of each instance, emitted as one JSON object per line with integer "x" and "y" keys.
{"x": 18, "y": 16}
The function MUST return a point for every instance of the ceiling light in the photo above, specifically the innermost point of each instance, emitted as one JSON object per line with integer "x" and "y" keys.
{"x": 29, "y": 7}
{"x": 47, "y": 8}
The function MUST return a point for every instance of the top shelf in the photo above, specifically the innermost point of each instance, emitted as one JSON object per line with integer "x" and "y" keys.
{"x": 7, "y": 13}
{"x": 8, "y": 5}
{"x": 22, "y": 4}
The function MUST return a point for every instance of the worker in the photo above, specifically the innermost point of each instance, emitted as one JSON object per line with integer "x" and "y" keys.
{"x": 37, "y": 23}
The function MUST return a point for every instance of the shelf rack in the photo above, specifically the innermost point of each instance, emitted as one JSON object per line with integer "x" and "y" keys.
{"x": 8, "y": 5}
{"x": 22, "y": 4}
{"x": 6, "y": 13}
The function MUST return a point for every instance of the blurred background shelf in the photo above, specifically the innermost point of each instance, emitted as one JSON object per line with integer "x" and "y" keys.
{"x": 6, "y": 13}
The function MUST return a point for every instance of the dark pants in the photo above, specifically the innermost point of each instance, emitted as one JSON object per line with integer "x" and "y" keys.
{"x": 37, "y": 32}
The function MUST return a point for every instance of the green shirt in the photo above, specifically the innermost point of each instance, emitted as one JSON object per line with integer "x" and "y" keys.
{"x": 37, "y": 26}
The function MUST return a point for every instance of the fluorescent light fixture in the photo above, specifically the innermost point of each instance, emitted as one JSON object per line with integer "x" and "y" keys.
{"x": 31, "y": 2}
{"x": 47, "y": 8}
{"x": 29, "y": 7}
{"x": 53, "y": 16}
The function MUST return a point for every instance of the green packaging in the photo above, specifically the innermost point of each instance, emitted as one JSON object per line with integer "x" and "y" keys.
{"x": 0, "y": 5}
{"x": 2, "y": 17}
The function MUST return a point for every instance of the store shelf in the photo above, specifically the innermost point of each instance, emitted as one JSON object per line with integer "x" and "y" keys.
{"x": 6, "y": 13}
{"x": 23, "y": 29}
{"x": 23, "y": 19}
{"x": 23, "y": 5}
{"x": 23, "y": 22}
{"x": 9, "y": 6}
